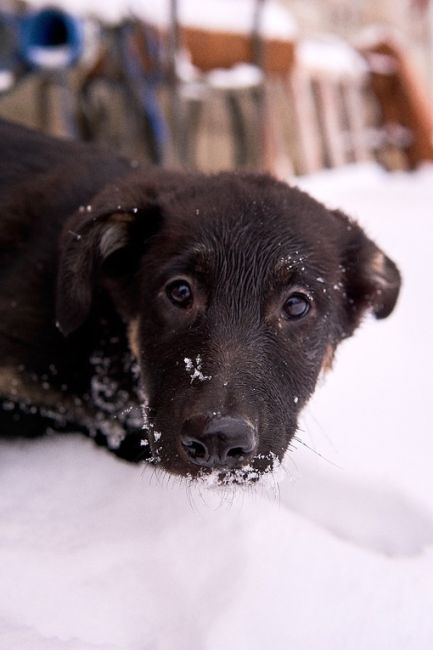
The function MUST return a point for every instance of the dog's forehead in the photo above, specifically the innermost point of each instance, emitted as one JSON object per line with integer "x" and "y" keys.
{"x": 245, "y": 210}
{"x": 247, "y": 261}
{"x": 234, "y": 228}
{"x": 275, "y": 244}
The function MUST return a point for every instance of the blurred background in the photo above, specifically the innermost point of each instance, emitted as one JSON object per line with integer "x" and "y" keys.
{"x": 285, "y": 86}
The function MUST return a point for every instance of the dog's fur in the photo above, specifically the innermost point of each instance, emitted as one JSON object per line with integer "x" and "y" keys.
{"x": 88, "y": 243}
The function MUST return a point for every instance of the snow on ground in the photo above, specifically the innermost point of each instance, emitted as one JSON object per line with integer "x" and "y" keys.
{"x": 96, "y": 554}
{"x": 330, "y": 55}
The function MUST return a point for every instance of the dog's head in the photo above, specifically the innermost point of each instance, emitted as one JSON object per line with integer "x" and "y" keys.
{"x": 236, "y": 290}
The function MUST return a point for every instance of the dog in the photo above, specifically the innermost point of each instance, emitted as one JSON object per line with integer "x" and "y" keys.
{"x": 174, "y": 316}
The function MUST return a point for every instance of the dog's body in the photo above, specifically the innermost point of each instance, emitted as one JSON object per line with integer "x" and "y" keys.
{"x": 229, "y": 293}
{"x": 46, "y": 378}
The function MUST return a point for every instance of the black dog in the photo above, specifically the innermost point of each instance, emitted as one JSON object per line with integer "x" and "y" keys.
{"x": 218, "y": 297}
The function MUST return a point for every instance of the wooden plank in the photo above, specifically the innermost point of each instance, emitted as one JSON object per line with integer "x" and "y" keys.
{"x": 307, "y": 127}
{"x": 330, "y": 106}
{"x": 354, "y": 99}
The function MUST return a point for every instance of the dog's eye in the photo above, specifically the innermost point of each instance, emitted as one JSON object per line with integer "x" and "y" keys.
{"x": 180, "y": 293}
{"x": 297, "y": 306}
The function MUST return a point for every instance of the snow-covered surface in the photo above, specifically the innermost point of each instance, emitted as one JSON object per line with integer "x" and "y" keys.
{"x": 221, "y": 15}
{"x": 96, "y": 554}
{"x": 330, "y": 54}
{"x": 51, "y": 58}
{"x": 7, "y": 79}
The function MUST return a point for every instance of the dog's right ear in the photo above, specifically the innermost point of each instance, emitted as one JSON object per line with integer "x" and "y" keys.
{"x": 371, "y": 280}
{"x": 109, "y": 232}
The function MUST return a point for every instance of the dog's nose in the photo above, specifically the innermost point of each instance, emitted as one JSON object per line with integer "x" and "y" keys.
{"x": 218, "y": 441}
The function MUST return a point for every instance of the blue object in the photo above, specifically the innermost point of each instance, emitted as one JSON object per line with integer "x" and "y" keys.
{"x": 50, "y": 39}
{"x": 145, "y": 84}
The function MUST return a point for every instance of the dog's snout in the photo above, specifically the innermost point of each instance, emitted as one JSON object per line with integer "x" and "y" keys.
{"x": 218, "y": 441}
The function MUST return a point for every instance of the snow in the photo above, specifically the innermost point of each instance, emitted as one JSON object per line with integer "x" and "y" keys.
{"x": 330, "y": 54}
{"x": 194, "y": 369}
{"x": 50, "y": 58}
{"x": 242, "y": 75}
{"x": 7, "y": 80}
{"x": 220, "y": 15}
{"x": 98, "y": 554}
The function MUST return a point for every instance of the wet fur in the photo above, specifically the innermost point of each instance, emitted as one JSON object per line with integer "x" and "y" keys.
{"x": 87, "y": 241}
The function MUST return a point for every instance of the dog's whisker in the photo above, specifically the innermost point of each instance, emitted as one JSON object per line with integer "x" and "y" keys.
{"x": 190, "y": 497}
{"x": 292, "y": 460}
{"x": 321, "y": 429}
{"x": 317, "y": 453}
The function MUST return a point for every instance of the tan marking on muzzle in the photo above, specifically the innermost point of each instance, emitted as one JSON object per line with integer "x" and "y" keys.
{"x": 133, "y": 337}
{"x": 328, "y": 358}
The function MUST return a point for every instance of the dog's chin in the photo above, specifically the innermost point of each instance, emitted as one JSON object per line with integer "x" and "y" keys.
{"x": 255, "y": 471}
{"x": 220, "y": 477}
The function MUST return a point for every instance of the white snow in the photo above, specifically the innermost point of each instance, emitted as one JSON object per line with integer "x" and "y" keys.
{"x": 330, "y": 54}
{"x": 242, "y": 75}
{"x": 194, "y": 369}
{"x": 97, "y": 554}
{"x": 220, "y": 15}
{"x": 7, "y": 80}
{"x": 51, "y": 58}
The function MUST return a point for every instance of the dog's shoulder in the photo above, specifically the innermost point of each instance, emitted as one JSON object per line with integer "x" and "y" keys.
{"x": 31, "y": 158}
{"x": 27, "y": 153}
{"x": 44, "y": 179}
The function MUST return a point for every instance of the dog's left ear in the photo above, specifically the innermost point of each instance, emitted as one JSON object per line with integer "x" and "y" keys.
{"x": 371, "y": 279}
{"x": 103, "y": 240}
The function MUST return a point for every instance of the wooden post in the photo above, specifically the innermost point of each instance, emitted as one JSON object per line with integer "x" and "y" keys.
{"x": 353, "y": 95}
{"x": 309, "y": 139}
